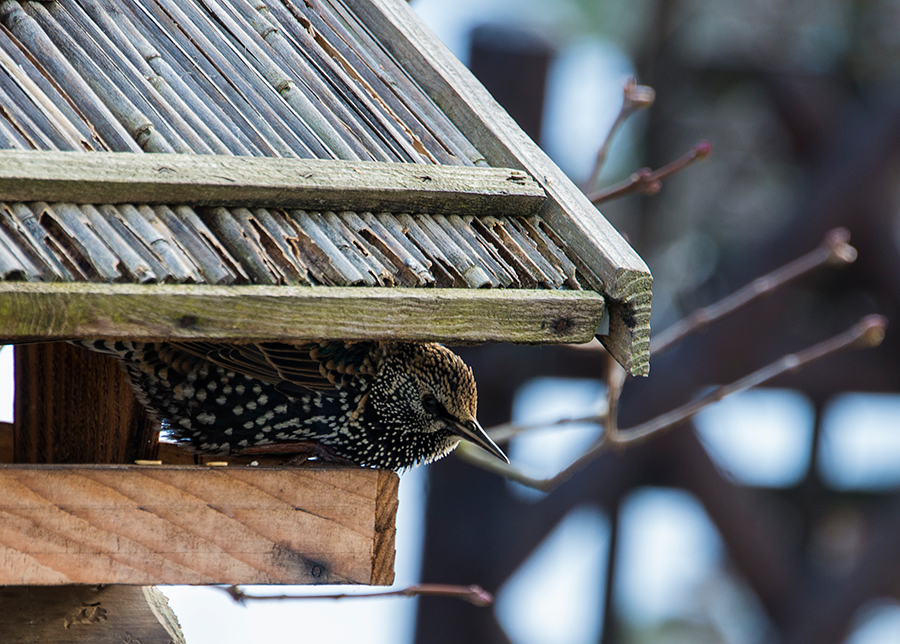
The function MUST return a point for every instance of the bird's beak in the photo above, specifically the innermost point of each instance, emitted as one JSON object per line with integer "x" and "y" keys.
{"x": 474, "y": 433}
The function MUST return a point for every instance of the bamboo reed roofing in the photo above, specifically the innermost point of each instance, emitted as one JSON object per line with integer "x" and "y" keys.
{"x": 310, "y": 79}
{"x": 278, "y": 79}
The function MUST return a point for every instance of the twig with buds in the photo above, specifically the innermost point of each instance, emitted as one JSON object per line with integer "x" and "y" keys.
{"x": 634, "y": 97}
{"x": 834, "y": 250}
{"x": 865, "y": 334}
{"x": 649, "y": 182}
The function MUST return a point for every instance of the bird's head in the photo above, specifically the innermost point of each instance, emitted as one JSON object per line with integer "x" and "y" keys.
{"x": 424, "y": 394}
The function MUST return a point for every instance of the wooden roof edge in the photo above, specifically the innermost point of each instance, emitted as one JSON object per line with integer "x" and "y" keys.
{"x": 151, "y": 312}
{"x": 222, "y": 180}
{"x": 622, "y": 275}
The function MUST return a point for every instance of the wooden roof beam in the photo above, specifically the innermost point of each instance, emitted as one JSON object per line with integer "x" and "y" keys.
{"x": 311, "y": 184}
{"x": 30, "y": 310}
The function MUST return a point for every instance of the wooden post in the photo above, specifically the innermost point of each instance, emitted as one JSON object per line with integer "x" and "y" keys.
{"x": 512, "y": 64}
{"x": 75, "y": 406}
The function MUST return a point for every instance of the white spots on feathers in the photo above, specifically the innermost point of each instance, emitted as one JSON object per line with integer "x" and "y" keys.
{"x": 373, "y": 415}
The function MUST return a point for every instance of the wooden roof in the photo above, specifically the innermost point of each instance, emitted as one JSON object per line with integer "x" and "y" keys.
{"x": 357, "y": 81}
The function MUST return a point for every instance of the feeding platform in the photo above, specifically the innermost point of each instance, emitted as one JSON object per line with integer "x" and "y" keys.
{"x": 157, "y": 524}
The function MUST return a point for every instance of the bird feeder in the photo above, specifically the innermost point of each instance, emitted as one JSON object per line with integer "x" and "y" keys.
{"x": 174, "y": 170}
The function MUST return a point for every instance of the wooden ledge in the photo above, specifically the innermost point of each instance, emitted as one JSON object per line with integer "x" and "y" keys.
{"x": 129, "y": 524}
{"x": 310, "y": 184}
{"x": 31, "y": 310}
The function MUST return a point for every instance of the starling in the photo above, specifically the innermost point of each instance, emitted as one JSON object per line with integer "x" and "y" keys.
{"x": 375, "y": 404}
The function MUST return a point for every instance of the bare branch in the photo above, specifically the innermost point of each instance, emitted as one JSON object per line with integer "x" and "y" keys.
{"x": 834, "y": 249}
{"x": 634, "y": 97}
{"x": 473, "y": 594}
{"x": 868, "y": 332}
{"x": 649, "y": 182}
{"x": 485, "y": 461}
{"x": 615, "y": 378}
{"x": 506, "y": 431}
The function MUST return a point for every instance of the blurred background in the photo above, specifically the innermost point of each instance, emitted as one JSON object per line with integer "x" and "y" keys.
{"x": 775, "y": 516}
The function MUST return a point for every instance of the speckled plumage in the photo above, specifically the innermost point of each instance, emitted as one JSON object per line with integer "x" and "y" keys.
{"x": 375, "y": 404}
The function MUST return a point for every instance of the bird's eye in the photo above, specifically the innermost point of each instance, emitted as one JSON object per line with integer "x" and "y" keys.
{"x": 429, "y": 403}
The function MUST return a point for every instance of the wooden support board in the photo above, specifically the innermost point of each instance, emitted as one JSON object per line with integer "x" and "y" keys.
{"x": 119, "y": 524}
{"x": 310, "y": 184}
{"x": 618, "y": 271}
{"x": 291, "y": 313}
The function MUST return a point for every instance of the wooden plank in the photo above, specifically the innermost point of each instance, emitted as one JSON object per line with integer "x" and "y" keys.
{"x": 120, "y": 524}
{"x": 623, "y": 276}
{"x": 87, "y": 615}
{"x": 294, "y": 313}
{"x": 311, "y": 184}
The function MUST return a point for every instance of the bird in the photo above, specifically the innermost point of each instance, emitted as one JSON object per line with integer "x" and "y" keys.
{"x": 385, "y": 405}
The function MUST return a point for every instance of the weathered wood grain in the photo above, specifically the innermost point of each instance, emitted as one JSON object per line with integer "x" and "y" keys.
{"x": 116, "y": 524}
{"x": 219, "y": 180}
{"x": 621, "y": 274}
{"x": 287, "y": 313}
{"x": 87, "y": 615}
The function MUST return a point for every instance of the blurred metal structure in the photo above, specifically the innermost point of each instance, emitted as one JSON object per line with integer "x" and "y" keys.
{"x": 847, "y": 153}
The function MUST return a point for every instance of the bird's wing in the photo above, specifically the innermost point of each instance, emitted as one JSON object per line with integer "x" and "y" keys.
{"x": 293, "y": 369}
